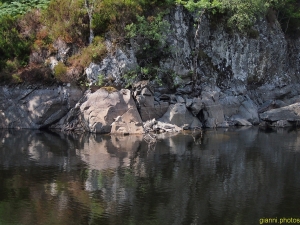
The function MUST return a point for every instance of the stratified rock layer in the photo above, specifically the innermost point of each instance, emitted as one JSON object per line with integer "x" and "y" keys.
{"x": 35, "y": 107}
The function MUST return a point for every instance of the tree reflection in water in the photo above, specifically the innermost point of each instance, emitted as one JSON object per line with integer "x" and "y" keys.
{"x": 224, "y": 176}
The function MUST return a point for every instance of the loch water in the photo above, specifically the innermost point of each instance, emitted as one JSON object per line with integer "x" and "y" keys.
{"x": 224, "y": 176}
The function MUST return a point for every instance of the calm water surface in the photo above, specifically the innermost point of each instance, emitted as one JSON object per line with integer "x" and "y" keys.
{"x": 226, "y": 176}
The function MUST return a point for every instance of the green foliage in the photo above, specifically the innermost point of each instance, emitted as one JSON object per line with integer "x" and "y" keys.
{"x": 241, "y": 14}
{"x": 65, "y": 19}
{"x": 192, "y": 5}
{"x": 150, "y": 35}
{"x": 60, "y": 71}
{"x": 14, "y": 8}
{"x": 289, "y": 15}
{"x": 94, "y": 52}
{"x": 153, "y": 29}
{"x": 100, "y": 81}
{"x": 13, "y": 46}
{"x": 16, "y": 78}
{"x": 131, "y": 77}
{"x": 150, "y": 72}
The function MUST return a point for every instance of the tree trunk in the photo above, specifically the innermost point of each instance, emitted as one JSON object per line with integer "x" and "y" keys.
{"x": 90, "y": 8}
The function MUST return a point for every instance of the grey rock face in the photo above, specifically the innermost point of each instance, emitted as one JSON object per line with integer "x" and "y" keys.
{"x": 34, "y": 108}
{"x": 248, "y": 111}
{"x": 114, "y": 65}
{"x": 63, "y": 50}
{"x": 148, "y": 104}
{"x": 289, "y": 113}
{"x": 241, "y": 122}
{"x": 179, "y": 115}
{"x": 157, "y": 111}
{"x": 264, "y": 57}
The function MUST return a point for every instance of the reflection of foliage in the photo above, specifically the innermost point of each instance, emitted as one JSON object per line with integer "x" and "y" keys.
{"x": 100, "y": 180}
{"x": 84, "y": 174}
{"x": 129, "y": 178}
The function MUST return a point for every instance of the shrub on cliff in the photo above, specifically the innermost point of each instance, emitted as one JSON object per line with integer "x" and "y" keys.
{"x": 60, "y": 71}
{"x": 13, "y": 46}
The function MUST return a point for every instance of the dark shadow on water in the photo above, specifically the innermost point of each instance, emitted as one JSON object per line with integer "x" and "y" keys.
{"x": 218, "y": 176}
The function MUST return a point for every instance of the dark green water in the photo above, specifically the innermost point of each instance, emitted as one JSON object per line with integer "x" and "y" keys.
{"x": 233, "y": 176}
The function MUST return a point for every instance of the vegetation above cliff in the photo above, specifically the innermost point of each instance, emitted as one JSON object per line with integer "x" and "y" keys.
{"x": 29, "y": 29}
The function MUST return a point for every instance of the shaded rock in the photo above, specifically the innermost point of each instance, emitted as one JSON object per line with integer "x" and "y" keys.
{"x": 144, "y": 86}
{"x": 143, "y": 93}
{"x": 241, "y": 122}
{"x": 212, "y": 110}
{"x": 187, "y": 89}
{"x": 288, "y": 113}
{"x": 231, "y": 104}
{"x": 148, "y": 104}
{"x": 248, "y": 111}
{"x": 179, "y": 99}
{"x": 146, "y": 92}
{"x": 165, "y": 97}
{"x": 34, "y": 108}
{"x": 188, "y": 102}
{"x": 156, "y": 111}
{"x": 145, "y": 101}
{"x": 282, "y": 123}
{"x": 179, "y": 115}
{"x": 196, "y": 106}
{"x": 266, "y": 106}
{"x": 213, "y": 115}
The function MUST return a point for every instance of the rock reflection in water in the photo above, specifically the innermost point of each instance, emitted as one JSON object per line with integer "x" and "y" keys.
{"x": 224, "y": 176}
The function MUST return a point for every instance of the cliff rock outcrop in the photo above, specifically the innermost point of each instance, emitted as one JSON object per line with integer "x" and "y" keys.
{"x": 240, "y": 80}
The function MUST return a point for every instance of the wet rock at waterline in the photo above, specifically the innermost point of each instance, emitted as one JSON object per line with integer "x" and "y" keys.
{"x": 179, "y": 115}
{"x": 160, "y": 127}
{"x": 34, "y": 107}
{"x": 99, "y": 110}
{"x": 282, "y": 117}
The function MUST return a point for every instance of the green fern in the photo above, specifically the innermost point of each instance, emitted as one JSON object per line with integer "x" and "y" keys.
{"x": 20, "y": 7}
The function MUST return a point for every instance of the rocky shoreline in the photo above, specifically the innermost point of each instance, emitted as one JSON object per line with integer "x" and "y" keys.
{"x": 142, "y": 109}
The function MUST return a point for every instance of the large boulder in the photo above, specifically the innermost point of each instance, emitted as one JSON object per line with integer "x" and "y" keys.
{"x": 240, "y": 109}
{"x": 149, "y": 108}
{"x": 289, "y": 113}
{"x": 208, "y": 108}
{"x": 34, "y": 107}
{"x": 179, "y": 115}
{"x": 231, "y": 104}
{"x": 247, "y": 111}
{"x": 98, "y": 111}
{"x": 155, "y": 112}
